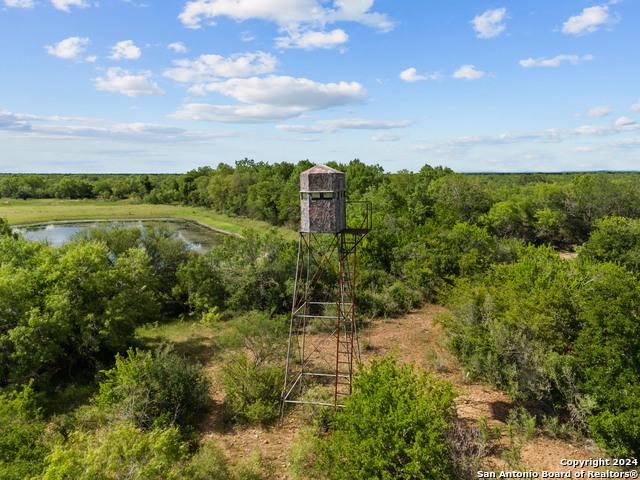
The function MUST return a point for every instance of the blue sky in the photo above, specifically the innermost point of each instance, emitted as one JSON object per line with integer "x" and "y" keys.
{"x": 140, "y": 86}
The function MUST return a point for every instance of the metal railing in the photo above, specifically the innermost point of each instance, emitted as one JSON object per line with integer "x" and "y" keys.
{"x": 360, "y": 215}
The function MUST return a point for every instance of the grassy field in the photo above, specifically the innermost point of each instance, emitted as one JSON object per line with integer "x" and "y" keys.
{"x": 39, "y": 211}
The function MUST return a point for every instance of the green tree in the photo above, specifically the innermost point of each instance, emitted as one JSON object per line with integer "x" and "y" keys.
{"x": 66, "y": 309}
{"x": 420, "y": 199}
{"x": 253, "y": 272}
{"x": 615, "y": 239}
{"x": 459, "y": 198}
{"x": 262, "y": 200}
{"x": 200, "y": 280}
{"x": 72, "y": 187}
{"x": 360, "y": 177}
{"x": 511, "y": 218}
{"x": 165, "y": 252}
{"x": 6, "y": 230}
{"x": 608, "y": 352}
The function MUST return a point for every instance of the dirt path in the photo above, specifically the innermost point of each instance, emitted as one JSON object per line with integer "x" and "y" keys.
{"x": 414, "y": 338}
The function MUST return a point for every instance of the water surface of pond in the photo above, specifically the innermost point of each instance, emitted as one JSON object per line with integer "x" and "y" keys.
{"x": 196, "y": 237}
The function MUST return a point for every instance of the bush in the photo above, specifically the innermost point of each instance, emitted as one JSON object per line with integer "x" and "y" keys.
{"x": 253, "y": 391}
{"x": 391, "y": 427}
{"x": 121, "y": 450}
{"x": 467, "y": 447}
{"x": 162, "y": 389}
{"x": 22, "y": 444}
{"x": 165, "y": 251}
{"x": 208, "y": 463}
{"x": 253, "y": 468}
{"x": 608, "y": 352}
{"x": 253, "y": 272}
{"x": 557, "y": 334}
{"x": 262, "y": 337}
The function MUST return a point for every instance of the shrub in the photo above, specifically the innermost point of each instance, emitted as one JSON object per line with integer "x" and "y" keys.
{"x": 262, "y": 337}
{"x": 467, "y": 446}
{"x": 391, "y": 426}
{"x": 557, "y": 334}
{"x": 166, "y": 253}
{"x": 122, "y": 450}
{"x": 22, "y": 444}
{"x": 241, "y": 274}
{"x": 208, "y": 463}
{"x": 253, "y": 390}
{"x": 608, "y": 352}
{"x": 146, "y": 389}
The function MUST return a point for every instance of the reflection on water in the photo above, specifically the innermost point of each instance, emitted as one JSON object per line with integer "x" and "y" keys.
{"x": 197, "y": 238}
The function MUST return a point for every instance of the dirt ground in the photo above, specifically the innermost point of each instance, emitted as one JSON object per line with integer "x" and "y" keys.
{"x": 414, "y": 338}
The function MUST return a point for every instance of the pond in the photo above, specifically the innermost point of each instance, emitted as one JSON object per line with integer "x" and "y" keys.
{"x": 196, "y": 237}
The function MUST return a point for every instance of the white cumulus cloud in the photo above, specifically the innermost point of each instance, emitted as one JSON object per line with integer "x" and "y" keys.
{"x": 210, "y": 67}
{"x": 601, "y": 111}
{"x": 177, "y": 47}
{"x": 490, "y": 23}
{"x": 64, "y": 4}
{"x": 363, "y": 123}
{"x": 69, "y": 48}
{"x": 622, "y": 121}
{"x": 469, "y": 72}
{"x": 288, "y": 14}
{"x": 125, "y": 50}
{"x": 270, "y": 99}
{"x": 288, "y": 91}
{"x": 555, "y": 61}
{"x": 636, "y": 107}
{"x": 122, "y": 81}
{"x": 309, "y": 40}
{"x": 588, "y": 21}
{"x": 411, "y": 75}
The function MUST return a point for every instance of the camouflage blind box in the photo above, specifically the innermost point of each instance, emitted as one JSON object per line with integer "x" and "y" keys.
{"x": 322, "y": 200}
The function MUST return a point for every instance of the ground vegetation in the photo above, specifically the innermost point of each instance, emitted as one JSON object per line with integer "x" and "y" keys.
{"x": 539, "y": 274}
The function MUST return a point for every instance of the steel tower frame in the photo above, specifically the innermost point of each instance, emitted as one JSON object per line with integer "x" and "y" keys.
{"x": 322, "y": 315}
